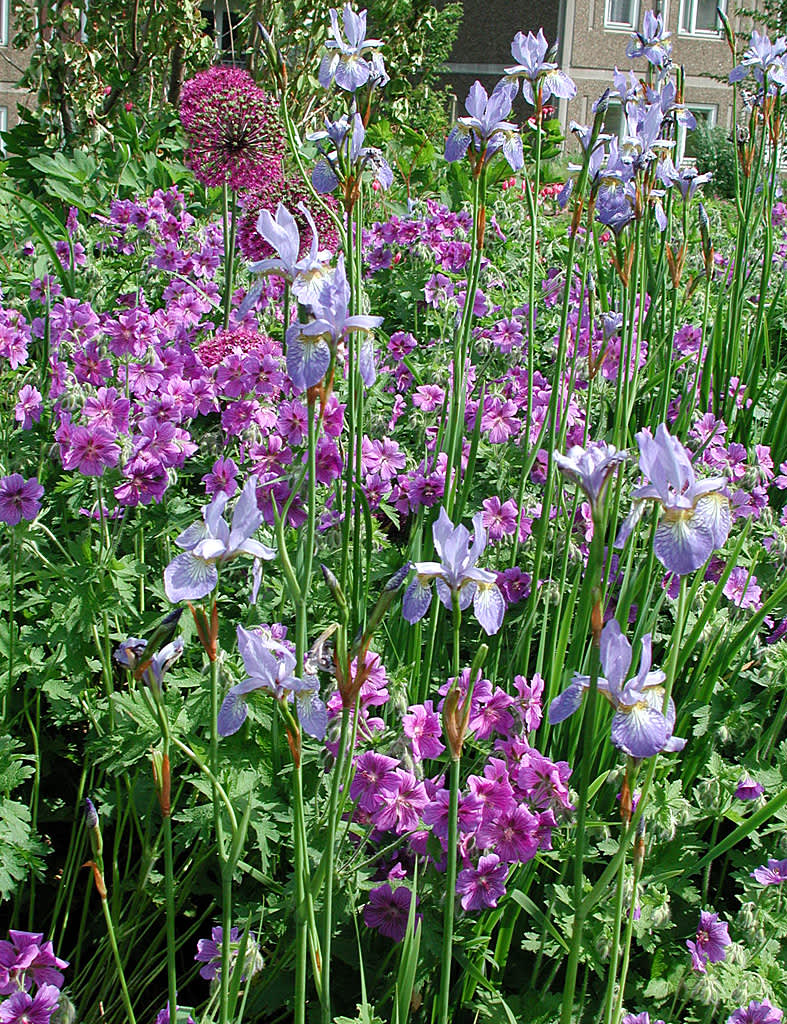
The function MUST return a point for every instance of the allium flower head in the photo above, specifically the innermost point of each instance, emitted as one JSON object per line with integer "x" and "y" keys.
{"x": 540, "y": 78}
{"x": 640, "y": 727}
{"x": 271, "y": 666}
{"x": 456, "y": 573}
{"x": 590, "y": 468}
{"x": 207, "y": 545}
{"x": 711, "y": 942}
{"x": 485, "y": 126}
{"x": 232, "y": 127}
{"x": 696, "y": 518}
{"x": 352, "y": 59}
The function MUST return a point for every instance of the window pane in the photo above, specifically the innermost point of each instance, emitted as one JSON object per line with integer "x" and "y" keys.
{"x": 707, "y": 19}
{"x": 622, "y": 12}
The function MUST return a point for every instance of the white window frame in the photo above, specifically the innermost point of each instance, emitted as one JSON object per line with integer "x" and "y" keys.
{"x": 712, "y": 110}
{"x": 622, "y": 26}
{"x": 4, "y": 22}
{"x": 615, "y": 106}
{"x": 3, "y": 127}
{"x": 691, "y": 29}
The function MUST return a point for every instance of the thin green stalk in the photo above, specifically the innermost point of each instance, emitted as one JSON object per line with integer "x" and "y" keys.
{"x": 229, "y": 212}
{"x": 612, "y": 969}
{"x": 11, "y": 624}
{"x": 639, "y": 856}
{"x": 450, "y": 893}
{"x": 330, "y": 853}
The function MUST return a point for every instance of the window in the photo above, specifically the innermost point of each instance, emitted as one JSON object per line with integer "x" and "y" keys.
{"x": 704, "y": 116}
{"x": 621, "y": 14}
{"x": 228, "y": 27}
{"x": 3, "y": 128}
{"x": 4, "y": 30}
{"x": 699, "y": 17}
{"x": 615, "y": 119}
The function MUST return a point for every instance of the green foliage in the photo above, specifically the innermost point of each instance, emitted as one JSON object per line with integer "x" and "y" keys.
{"x": 714, "y": 151}
{"x": 21, "y": 851}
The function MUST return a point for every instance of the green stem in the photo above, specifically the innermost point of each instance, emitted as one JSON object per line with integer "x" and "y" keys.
{"x": 11, "y": 624}
{"x": 230, "y": 229}
{"x": 450, "y": 894}
{"x": 118, "y": 961}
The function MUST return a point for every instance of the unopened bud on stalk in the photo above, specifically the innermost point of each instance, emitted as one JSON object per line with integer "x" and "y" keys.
{"x": 161, "y": 778}
{"x": 707, "y": 244}
{"x": 91, "y": 821}
{"x": 729, "y": 35}
{"x": 334, "y": 587}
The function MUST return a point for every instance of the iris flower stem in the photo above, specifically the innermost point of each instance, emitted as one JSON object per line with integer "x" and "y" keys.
{"x": 614, "y": 956}
{"x": 450, "y": 892}
{"x": 638, "y": 862}
{"x": 226, "y": 929}
{"x": 230, "y": 225}
{"x": 118, "y": 962}
{"x": 11, "y": 623}
{"x": 330, "y": 854}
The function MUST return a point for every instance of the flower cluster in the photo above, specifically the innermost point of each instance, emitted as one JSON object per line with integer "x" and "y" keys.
{"x": 31, "y": 977}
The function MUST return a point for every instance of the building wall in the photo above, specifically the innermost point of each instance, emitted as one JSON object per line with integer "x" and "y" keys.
{"x": 12, "y": 66}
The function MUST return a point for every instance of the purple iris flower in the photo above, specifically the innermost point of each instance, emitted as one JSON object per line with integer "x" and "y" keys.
{"x": 615, "y": 206}
{"x": 347, "y": 135}
{"x": 540, "y": 78}
{"x": 270, "y": 665}
{"x": 696, "y": 519}
{"x": 456, "y": 573}
{"x": 209, "y": 544}
{"x": 345, "y": 63}
{"x": 590, "y": 468}
{"x": 763, "y": 58}
{"x": 651, "y": 43}
{"x": 486, "y": 127}
{"x": 640, "y": 727}
{"x": 281, "y": 233}
{"x": 310, "y": 345}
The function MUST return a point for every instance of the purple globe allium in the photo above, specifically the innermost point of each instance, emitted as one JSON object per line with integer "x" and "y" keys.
{"x": 388, "y": 910}
{"x": 639, "y": 728}
{"x": 756, "y": 1013}
{"x": 233, "y": 129}
{"x": 696, "y": 518}
{"x": 22, "y": 1008}
{"x": 774, "y": 874}
{"x": 711, "y": 941}
{"x": 456, "y": 574}
{"x": 749, "y": 789}
{"x": 19, "y": 498}
{"x": 209, "y": 544}
{"x": 270, "y": 665}
{"x": 482, "y": 886}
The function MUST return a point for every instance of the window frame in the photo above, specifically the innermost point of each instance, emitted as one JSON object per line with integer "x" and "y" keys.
{"x": 622, "y": 26}
{"x": 5, "y": 22}
{"x": 692, "y": 32}
{"x": 712, "y": 109}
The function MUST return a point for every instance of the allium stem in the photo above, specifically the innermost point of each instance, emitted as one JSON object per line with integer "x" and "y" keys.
{"x": 230, "y": 230}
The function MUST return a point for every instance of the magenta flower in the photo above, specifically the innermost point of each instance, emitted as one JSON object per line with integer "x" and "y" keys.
{"x": 27, "y": 960}
{"x": 696, "y": 519}
{"x": 19, "y": 498}
{"x": 374, "y": 782}
{"x": 774, "y": 874}
{"x": 388, "y": 910}
{"x": 209, "y": 954}
{"x": 402, "y": 811}
{"x": 749, "y": 789}
{"x": 456, "y": 574}
{"x": 756, "y": 1013}
{"x": 27, "y": 410}
{"x": 639, "y": 728}
{"x": 22, "y": 1008}
{"x": 482, "y": 886}
{"x": 422, "y": 726}
{"x": 639, "y": 1018}
{"x": 513, "y": 834}
{"x": 711, "y": 942}
{"x": 91, "y": 450}
{"x": 741, "y": 588}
